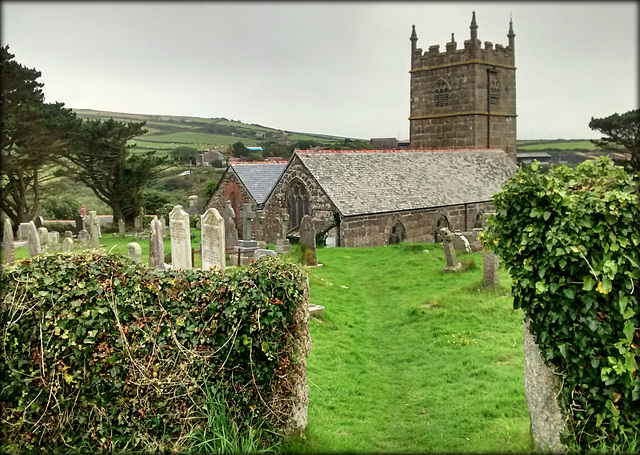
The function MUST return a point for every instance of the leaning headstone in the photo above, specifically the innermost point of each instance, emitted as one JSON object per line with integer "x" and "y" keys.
{"x": 230, "y": 235}
{"x": 449, "y": 253}
{"x": 179, "y": 230}
{"x": 212, "y": 249}
{"x": 283, "y": 246}
{"x": 43, "y": 234}
{"x": 248, "y": 216}
{"x": 84, "y": 238}
{"x": 121, "y": 228}
{"x": 94, "y": 226}
{"x": 308, "y": 241}
{"x": 135, "y": 252}
{"x": 541, "y": 389}
{"x": 7, "y": 242}
{"x": 156, "y": 245}
{"x": 68, "y": 235}
{"x": 39, "y": 222}
{"x": 67, "y": 245}
{"x": 54, "y": 239}
{"x": 23, "y": 232}
{"x": 33, "y": 241}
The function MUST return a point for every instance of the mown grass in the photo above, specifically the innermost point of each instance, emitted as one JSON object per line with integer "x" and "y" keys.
{"x": 409, "y": 359}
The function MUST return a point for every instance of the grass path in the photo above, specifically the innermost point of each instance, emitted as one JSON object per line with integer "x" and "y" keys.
{"x": 409, "y": 359}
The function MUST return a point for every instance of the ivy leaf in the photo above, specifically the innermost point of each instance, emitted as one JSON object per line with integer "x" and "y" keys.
{"x": 588, "y": 283}
{"x": 604, "y": 286}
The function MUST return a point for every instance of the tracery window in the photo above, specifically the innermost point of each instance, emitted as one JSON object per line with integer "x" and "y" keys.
{"x": 397, "y": 234}
{"x": 297, "y": 202}
{"x": 494, "y": 92}
{"x": 441, "y": 93}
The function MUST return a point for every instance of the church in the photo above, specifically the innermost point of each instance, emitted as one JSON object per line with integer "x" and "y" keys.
{"x": 462, "y": 150}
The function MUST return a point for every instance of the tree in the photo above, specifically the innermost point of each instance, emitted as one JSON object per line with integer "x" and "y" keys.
{"x": 184, "y": 154}
{"x": 35, "y": 136}
{"x": 238, "y": 150}
{"x": 623, "y": 135}
{"x": 103, "y": 160}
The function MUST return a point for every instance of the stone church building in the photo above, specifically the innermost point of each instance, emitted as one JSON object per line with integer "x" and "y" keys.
{"x": 462, "y": 150}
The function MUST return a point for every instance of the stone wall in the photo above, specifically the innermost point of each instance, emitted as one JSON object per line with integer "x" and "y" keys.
{"x": 230, "y": 185}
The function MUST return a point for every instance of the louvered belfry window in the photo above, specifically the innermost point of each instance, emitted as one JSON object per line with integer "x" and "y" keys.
{"x": 495, "y": 91}
{"x": 441, "y": 93}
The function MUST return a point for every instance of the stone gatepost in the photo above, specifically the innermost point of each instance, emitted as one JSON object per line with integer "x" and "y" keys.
{"x": 180, "y": 231}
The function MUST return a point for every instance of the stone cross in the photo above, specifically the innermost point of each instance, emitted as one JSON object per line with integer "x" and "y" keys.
{"x": 135, "y": 252}
{"x": 7, "y": 242}
{"x": 121, "y": 228}
{"x": 94, "y": 229}
{"x": 212, "y": 249}
{"x": 67, "y": 245}
{"x": 230, "y": 234}
{"x": 308, "y": 241}
{"x": 33, "y": 242}
{"x": 449, "y": 252}
{"x": 284, "y": 223}
{"x": 156, "y": 245}
{"x": 179, "y": 229}
{"x": 247, "y": 217}
{"x": 43, "y": 234}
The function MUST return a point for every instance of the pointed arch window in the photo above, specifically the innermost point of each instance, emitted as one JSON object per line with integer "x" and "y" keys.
{"x": 494, "y": 92}
{"x": 441, "y": 93}
{"x": 397, "y": 233}
{"x": 297, "y": 202}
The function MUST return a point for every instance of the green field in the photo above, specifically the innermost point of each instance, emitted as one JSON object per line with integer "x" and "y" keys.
{"x": 557, "y": 145}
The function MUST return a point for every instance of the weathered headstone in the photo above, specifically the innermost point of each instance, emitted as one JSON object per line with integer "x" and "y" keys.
{"x": 7, "y": 242}
{"x": 212, "y": 249}
{"x": 23, "y": 231}
{"x": 308, "y": 241}
{"x": 94, "y": 225}
{"x": 283, "y": 246}
{"x": 156, "y": 245}
{"x": 121, "y": 228}
{"x": 490, "y": 263}
{"x": 137, "y": 225}
{"x": 33, "y": 241}
{"x": 259, "y": 224}
{"x": 163, "y": 226}
{"x": 68, "y": 235}
{"x": 248, "y": 216}
{"x": 79, "y": 224}
{"x": 262, "y": 252}
{"x": 39, "y": 222}
{"x": 449, "y": 253}
{"x": 230, "y": 235}
{"x": 135, "y": 252}
{"x": 43, "y": 234}
{"x": 54, "y": 239}
{"x": 179, "y": 230}
{"x": 84, "y": 237}
{"x": 67, "y": 245}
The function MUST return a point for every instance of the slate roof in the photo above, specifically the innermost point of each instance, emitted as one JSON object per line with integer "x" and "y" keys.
{"x": 259, "y": 178}
{"x": 377, "y": 181}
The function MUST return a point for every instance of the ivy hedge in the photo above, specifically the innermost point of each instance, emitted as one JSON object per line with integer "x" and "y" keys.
{"x": 570, "y": 238}
{"x": 101, "y": 353}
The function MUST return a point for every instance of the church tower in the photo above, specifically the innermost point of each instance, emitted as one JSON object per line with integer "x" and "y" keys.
{"x": 464, "y": 98}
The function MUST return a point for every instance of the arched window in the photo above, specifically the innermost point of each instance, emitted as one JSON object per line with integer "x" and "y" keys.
{"x": 479, "y": 221}
{"x": 494, "y": 92}
{"x": 297, "y": 202}
{"x": 397, "y": 234}
{"x": 441, "y": 93}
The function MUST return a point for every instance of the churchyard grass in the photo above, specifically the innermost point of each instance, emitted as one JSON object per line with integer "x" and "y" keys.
{"x": 410, "y": 359}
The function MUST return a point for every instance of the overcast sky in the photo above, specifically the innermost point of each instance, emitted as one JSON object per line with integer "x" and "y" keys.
{"x": 335, "y": 68}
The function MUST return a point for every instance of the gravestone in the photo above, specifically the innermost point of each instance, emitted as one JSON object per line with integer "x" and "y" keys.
{"x": 248, "y": 216}
{"x": 54, "y": 239}
{"x": 135, "y": 252}
{"x": 39, "y": 222}
{"x": 121, "y": 228}
{"x": 33, "y": 241}
{"x": 228, "y": 211}
{"x": 259, "y": 224}
{"x": 163, "y": 226}
{"x": 7, "y": 242}
{"x": 137, "y": 225}
{"x": 67, "y": 245}
{"x": 283, "y": 246}
{"x": 23, "y": 232}
{"x": 79, "y": 224}
{"x": 308, "y": 241}
{"x": 94, "y": 225}
{"x": 68, "y": 235}
{"x": 449, "y": 253}
{"x": 156, "y": 245}
{"x": 43, "y": 234}
{"x": 230, "y": 235}
{"x": 84, "y": 238}
{"x": 179, "y": 230}
{"x": 262, "y": 252}
{"x": 212, "y": 249}
{"x": 490, "y": 263}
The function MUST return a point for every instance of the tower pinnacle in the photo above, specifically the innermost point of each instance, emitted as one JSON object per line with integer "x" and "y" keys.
{"x": 474, "y": 30}
{"x": 511, "y": 35}
{"x": 414, "y": 38}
